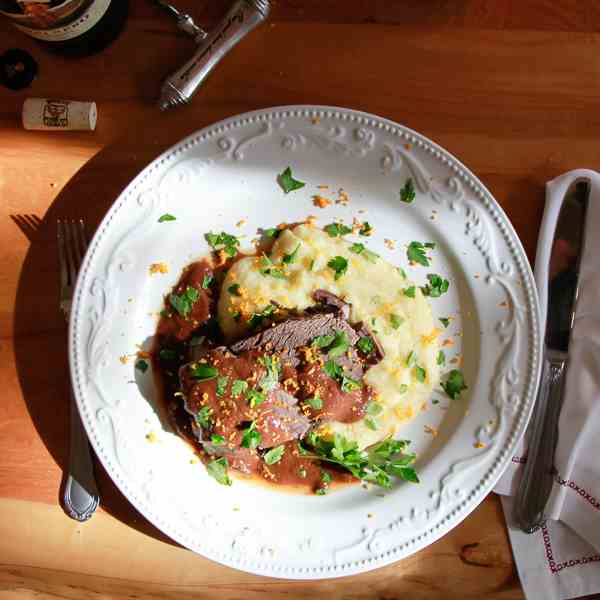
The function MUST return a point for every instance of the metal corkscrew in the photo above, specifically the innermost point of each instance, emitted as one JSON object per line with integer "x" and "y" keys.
{"x": 242, "y": 18}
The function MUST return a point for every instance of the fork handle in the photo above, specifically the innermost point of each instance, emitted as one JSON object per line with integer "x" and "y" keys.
{"x": 80, "y": 496}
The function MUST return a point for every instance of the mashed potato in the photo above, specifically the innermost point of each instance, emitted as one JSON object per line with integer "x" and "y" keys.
{"x": 376, "y": 291}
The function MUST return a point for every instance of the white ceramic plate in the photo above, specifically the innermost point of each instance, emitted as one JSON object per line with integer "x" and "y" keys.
{"x": 227, "y": 172}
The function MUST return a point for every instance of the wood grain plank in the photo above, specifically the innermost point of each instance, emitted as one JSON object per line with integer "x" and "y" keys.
{"x": 48, "y": 556}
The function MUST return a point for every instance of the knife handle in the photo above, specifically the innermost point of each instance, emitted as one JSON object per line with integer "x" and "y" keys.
{"x": 538, "y": 475}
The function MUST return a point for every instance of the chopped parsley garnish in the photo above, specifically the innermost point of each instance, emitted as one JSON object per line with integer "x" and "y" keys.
{"x": 322, "y": 341}
{"x": 218, "y": 440}
{"x": 272, "y": 232}
{"x": 274, "y": 455}
{"x": 166, "y": 217}
{"x": 255, "y": 398}
{"x": 335, "y": 371}
{"x": 183, "y": 303}
{"x": 223, "y": 241}
{"x": 203, "y": 416}
{"x": 395, "y": 321}
{"x": 167, "y": 354}
{"x": 236, "y": 316}
{"x": 287, "y": 182}
{"x": 445, "y": 322}
{"x": 234, "y": 289}
{"x": 402, "y": 388}
{"x": 409, "y": 292}
{"x": 268, "y": 267}
{"x": 257, "y": 318}
{"x": 206, "y": 281}
{"x": 288, "y": 259}
{"x": 326, "y": 477}
{"x": 311, "y": 266}
{"x": 411, "y": 359}
{"x": 407, "y": 193}
{"x": 376, "y": 464}
{"x": 203, "y": 372}
{"x": 416, "y": 253}
{"x": 165, "y": 313}
{"x": 366, "y": 345}
{"x": 436, "y": 286}
{"x": 365, "y": 229}
{"x": 401, "y": 271}
{"x": 217, "y": 469}
{"x": 239, "y": 386}
{"x": 374, "y": 409}
{"x": 371, "y": 423}
{"x": 339, "y": 345}
{"x": 420, "y": 374}
{"x": 337, "y": 229}
{"x": 315, "y": 402}
{"x": 222, "y": 384}
{"x": 339, "y": 264}
{"x": 141, "y": 365}
{"x": 271, "y": 379}
{"x": 441, "y": 358}
{"x": 455, "y": 384}
{"x": 361, "y": 249}
{"x": 251, "y": 438}
{"x": 321, "y": 491}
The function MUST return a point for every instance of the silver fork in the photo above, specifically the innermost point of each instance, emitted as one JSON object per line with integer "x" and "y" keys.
{"x": 80, "y": 496}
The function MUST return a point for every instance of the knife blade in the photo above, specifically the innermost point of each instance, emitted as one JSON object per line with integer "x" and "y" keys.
{"x": 563, "y": 286}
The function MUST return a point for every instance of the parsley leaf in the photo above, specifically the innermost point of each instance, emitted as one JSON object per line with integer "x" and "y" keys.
{"x": 402, "y": 388}
{"x": 374, "y": 409}
{"x": 410, "y": 291}
{"x": 361, "y": 249}
{"x": 251, "y": 438}
{"x": 274, "y": 455}
{"x": 222, "y": 385}
{"x": 239, "y": 386}
{"x": 323, "y": 341}
{"x": 395, "y": 321}
{"x": 420, "y": 374}
{"x": 272, "y": 232}
{"x": 234, "y": 289}
{"x": 268, "y": 267}
{"x": 166, "y": 217}
{"x": 377, "y": 463}
{"x": 202, "y": 372}
{"x": 271, "y": 379}
{"x": 337, "y": 229}
{"x": 445, "y": 322}
{"x": 141, "y": 365}
{"x": 339, "y": 345}
{"x": 365, "y": 229}
{"x": 202, "y": 417}
{"x": 217, "y": 440}
{"x": 206, "y": 281}
{"x": 217, "y": 469}
{"x": 436, "y": 286}
{"x": 339, "y": 264}
{"x": 223, "y": 241}
{"x": 441, "y": 358}
{"x": 255, "y": 398}
{"x": 183, "y": 303}
{"x": 455, "y": 384}
{"x": 366, "y": 345}
{"x": 315, "y": 402}
{"x": 256, "y": 319}
{"x": 371, "y": 423}
{"x": 407, "y": 193}
{"x": 288, "y": 259}
{"x": 312, "y": 265}
{"x": 287, "y": 182}
{"x": 335, "y": 371}
{"x": 416, "y": 253}
{"x": 411, "y": 359}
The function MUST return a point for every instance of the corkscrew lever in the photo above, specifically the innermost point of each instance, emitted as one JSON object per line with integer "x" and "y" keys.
{"x": 184, "y": 21}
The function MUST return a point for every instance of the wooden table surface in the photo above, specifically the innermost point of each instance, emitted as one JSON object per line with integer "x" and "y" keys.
{"x": 511, "y": 88}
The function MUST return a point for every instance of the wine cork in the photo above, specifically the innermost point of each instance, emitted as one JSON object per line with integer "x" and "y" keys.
{"x": 45, "y": 114}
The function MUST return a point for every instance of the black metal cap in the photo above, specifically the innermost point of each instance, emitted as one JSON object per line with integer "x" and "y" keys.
{"x": 17, "y": 69}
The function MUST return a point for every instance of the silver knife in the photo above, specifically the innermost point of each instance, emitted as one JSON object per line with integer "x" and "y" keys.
{"x": 563, "y": 285}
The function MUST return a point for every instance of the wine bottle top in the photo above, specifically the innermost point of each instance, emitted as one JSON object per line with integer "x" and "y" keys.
{"x": 17, "y": 69}
{"x": 49, "y": 114}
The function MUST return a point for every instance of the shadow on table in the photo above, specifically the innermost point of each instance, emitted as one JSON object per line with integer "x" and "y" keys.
{"x": 40, "y": 332}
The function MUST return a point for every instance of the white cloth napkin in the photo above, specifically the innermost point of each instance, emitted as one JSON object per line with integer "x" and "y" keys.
{"x": 562, "y": 560}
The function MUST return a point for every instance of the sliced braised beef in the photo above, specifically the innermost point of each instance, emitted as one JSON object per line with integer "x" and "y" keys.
{"x": 295, "y": 333}
{"x": 328, "y": 299}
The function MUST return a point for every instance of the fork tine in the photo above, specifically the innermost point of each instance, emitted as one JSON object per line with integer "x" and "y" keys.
{"x": 62, "y": 257}
{"x": 71, "y": 253}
